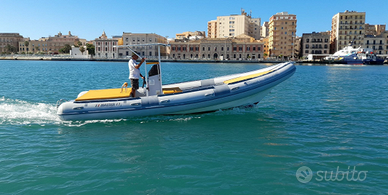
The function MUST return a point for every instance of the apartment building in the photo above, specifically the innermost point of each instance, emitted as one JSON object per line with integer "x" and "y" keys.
{"x": 346, "y": 27}
{"x": 9, "y": 42}
{"x": 105, "y": 47}
{"x": 298, "y": 47}
{"x": 265, "y": 47}
{"x": 212, "y": 29}
{"x": 282, "y": 33}
{"x": 377, "y": 29}
{"x": 234, "y": 25}
{"x": 48, "y": 45}
{"x": 242, "y": 47}
{"x": 264, "y": 29}
{"x": 140, "y": 39}
{"x": 316, "y": 43}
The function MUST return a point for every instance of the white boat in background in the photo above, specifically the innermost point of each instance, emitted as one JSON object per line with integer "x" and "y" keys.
{"x": 351, "y": 55}
{"x": 179, "y": 98}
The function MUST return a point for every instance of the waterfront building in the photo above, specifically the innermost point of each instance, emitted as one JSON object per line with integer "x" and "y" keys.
{"x": 282, "y": 33}
{"x": 316, "y": 43}
{"x": 376, "y": 37}
{"x": 9, "y": 42}
{"x": 76, "y": 52}
{"x": 34, "y": 46}
{"x": 48, "y": 45}
{"x": 242, "y": 47}
{"x": 377, "y": 43}
{"x": 106, "y": 48}
{"x": 346, "y": 27}
{"x": 385, "y": 35}
{"x": 142, "y": 38}
{"x": 191, "y": 35}
{"x": 234, "y": 25}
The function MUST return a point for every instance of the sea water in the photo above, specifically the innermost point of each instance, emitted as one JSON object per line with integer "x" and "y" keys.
{"x": 324, "y": 130}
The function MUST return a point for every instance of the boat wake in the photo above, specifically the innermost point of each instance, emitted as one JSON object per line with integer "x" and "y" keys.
{"x": 19, "y": 112}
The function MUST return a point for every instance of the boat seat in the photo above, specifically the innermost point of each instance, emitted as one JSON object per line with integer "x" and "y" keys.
{"x": 171, "y": 90}
{"x": 243, "y": 78}
{"x": 152, "y": 63}
{"x": 105, "y": 94}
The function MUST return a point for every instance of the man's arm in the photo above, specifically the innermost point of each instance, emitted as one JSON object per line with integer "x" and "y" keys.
{"x": 141, "y": 62}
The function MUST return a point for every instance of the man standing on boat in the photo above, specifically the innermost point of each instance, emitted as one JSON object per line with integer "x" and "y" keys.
{"x": 134, "y": 73}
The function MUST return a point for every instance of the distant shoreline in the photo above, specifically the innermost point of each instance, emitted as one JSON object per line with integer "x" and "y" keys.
{"x": 45, "y": 58}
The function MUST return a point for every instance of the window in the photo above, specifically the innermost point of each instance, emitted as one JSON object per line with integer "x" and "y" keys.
{"x": 307, "y": 40}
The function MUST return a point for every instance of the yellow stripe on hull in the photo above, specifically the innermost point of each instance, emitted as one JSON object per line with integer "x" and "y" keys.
{"x": 243, "y": 78}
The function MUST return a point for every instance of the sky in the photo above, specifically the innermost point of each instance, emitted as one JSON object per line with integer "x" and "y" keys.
{"x": 88, "y": 19}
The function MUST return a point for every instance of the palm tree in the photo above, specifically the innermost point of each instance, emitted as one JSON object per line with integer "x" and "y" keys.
{"x": 82, "y": 50}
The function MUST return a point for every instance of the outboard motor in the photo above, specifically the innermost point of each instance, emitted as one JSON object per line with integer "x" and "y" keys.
{"x": 154, "y": 81}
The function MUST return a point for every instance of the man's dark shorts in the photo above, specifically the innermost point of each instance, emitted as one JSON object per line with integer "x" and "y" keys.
{"x": 135, "y": 83}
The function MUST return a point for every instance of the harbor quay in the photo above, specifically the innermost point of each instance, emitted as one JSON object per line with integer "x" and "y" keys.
{"x": 69, "y": 58}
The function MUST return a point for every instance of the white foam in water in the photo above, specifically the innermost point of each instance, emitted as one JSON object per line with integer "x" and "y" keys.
{"x": 18, "y": 112}
{"x": 24, "y": 113}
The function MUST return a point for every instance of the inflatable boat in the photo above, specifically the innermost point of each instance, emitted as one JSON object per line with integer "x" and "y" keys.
{"x": 180, "y": 98}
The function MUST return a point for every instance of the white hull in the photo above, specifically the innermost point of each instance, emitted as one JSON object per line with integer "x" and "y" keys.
{"x": 196, "y": 97}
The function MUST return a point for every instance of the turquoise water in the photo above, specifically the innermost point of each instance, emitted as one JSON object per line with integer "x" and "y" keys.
{"x": 328, "y": 118}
